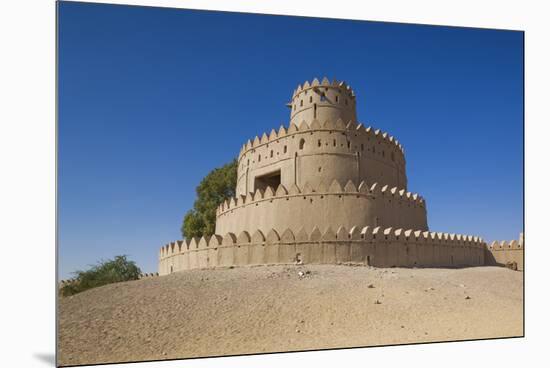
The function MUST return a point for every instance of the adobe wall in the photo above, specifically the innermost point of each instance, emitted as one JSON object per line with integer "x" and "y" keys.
{"x": 506, "y": 253}
{"x": 322, "y": 101}
{"x": 315, "y": 151}
{"x": 367, "y": 246}
{"x": 310, "y": 206}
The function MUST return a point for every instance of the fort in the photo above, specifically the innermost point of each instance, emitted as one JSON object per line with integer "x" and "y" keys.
{"x": 327, "y": 190}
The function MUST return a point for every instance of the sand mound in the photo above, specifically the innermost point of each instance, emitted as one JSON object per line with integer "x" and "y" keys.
{"x": 274, "y": 308}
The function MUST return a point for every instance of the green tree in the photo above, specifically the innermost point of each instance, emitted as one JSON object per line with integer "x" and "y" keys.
{"x": 105, "y": 272}
{"x": 217, "y": 186}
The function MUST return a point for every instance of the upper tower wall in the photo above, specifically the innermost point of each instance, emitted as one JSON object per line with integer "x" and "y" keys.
{"x": 322, "y": 101}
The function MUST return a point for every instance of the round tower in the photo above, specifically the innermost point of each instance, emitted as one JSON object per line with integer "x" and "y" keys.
{"x": 322, "y": 101}
{"x": 324, "y": 170}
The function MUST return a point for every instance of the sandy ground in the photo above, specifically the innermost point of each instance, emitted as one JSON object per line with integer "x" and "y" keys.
{"x": 273, "y": 308}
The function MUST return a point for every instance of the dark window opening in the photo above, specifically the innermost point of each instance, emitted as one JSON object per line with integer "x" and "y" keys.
{"x": 302, "y": 142}
{"x": 336, "y": 98}
{"x": 272, "y": 179}
{"x": 334, "y": 142}
{"x": 284, "y": 149}
{"x": 271, "y": 153}
{"x": 323, "y": 97}
{"x": 319, "y": 143}
{"x": 310, "y": 99}
{"x": 301, "y": 103}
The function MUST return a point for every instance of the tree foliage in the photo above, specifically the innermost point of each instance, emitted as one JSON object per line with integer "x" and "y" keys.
{"x": 217, "y": 186}
{"x": 105, "y": 272}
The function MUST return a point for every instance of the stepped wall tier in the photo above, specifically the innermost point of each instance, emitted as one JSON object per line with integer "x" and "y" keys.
{"x": 322, "y": 206}
{"x": 316, "y": 152}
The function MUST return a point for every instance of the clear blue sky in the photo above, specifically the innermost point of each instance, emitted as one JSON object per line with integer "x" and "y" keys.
{"x": 150, "y": 100}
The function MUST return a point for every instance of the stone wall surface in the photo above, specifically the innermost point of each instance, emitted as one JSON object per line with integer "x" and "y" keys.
{"x": 362, "y": 246}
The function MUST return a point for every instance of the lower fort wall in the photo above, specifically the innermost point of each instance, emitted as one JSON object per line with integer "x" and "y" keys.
{"x": 323, "y": 207}
{"x": 367, "y": 246}
{"x": 506, "y": 253}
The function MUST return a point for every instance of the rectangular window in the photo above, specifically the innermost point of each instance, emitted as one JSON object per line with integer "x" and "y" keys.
{"x": 272, "y": 179}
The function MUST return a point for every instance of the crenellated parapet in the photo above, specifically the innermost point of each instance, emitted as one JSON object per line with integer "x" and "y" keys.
{"x": 304, "y": 128}
{"x": 323, "y": 205}
{"x": 506, "y": 253}
{"x": 335, "y": 188}
{"x": 373, "y": 246}
{"x": 341, "y": 86}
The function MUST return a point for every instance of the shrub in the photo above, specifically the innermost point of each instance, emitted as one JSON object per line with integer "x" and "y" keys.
{"x": 105, "y": 272}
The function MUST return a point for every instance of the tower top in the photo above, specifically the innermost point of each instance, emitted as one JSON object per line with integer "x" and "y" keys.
{"x": 322, "y": 101}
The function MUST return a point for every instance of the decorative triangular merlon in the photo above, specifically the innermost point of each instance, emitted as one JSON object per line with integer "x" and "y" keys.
{"x": 301, "y": 235}
{"x": 258, "y": 237}
{"x": 287, "y": 236}
{"x": 335, "y": 187}
{"x": 272, "y": 237}
{"x": 281, "y": 191}
{"x": 315, "y": 125}
{"x": 329, "y": 234}
{"x": 363, "y": 187}
{"x": 350, "y": 187}
{"x": 293, "y": 190}
{"x": 315, "y": 234}
{"x": 342, "y": 233}
{"x": 229, "y": 239}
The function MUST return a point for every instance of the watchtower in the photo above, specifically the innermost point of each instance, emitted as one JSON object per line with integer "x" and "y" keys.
{"x": 322, "y": 101}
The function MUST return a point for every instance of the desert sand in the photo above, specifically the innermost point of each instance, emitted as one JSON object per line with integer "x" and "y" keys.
{"x": 286, "y": 308}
